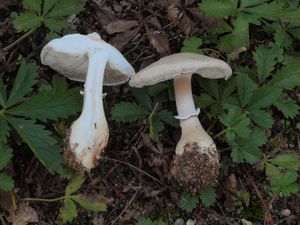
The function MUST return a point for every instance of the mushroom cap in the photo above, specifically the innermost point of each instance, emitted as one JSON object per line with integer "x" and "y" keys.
{"x": 69, "y": 56}
{"x": 171, "y": 66}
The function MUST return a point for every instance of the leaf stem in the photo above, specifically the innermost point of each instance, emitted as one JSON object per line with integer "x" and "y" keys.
{"x": 219, "y": 134}
{"x": 24, "y": 36}
{"x": 44, "y": 199}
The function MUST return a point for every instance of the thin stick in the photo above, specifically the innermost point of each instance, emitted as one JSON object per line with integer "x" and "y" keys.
{"x": 134, "y": 167}
{"x": 2, "y": 220}
{"x": 250, "y": 179}
{"x": 124, "y": 210}
{"x": 24, "y": 36}
{"x": 43, "y": 199}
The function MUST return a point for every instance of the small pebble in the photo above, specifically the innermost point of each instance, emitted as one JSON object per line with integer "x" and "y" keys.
{"x": 179, "y": 222}
{"x": 190, "y": 222}
{"x": 285, "y": 212}
{"x": 246, "y": 222}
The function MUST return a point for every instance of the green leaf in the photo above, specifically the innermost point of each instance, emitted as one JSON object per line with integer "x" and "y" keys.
{"x": 32, "y": 5}
{"x": 48, "y": 4}
{"x": 237, "y": 123}
{"x": 39, "y": 141}
{"x": 66, "y": 8}
{"x": 6, "y": 182}
{"x": 283, "y": 38}
{"x": 155, "y": 126}
{"x": 285, "y": 183}
{"x": 261, "y": 118}
{"x": 26, "y": 21}
{"x": 75, "y": 184}
{"x": 24, "y": 81}
{"x": 51, "y": 102}
{"x": 204, "y": 100}
{"x": 128, "y": 112}
{"x": 188, "y": 202}
{"x": 264, "y": 96}
{"x": 210, "y": 86}
{"x": 91, "y": 204}
{"x": 68, "y": 212}
{"x": 2, "y": 94}
{"x": 142, "y": 97}
{"x": 192, "y": 44}
{"x": 217, "y": 8}
{"x": 287, "y": 106}
{"x": 56, "y": 24}
{"x": 145, "y": 221}
{"x": 168, "y": 118}
{"x": 208, "y": 196}
{"x": 246, "y": 87}
{"x": 288, "y": 161}
{"x": 289, "y": 76}
{"x": 5, "y": 155}
{"x": 156, "y": 89}
{"x": 265, "y": 62}
{"x": 4, "y": 130}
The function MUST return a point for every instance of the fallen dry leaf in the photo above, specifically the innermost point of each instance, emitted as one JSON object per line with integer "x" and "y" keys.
{"x": 24, "y": 215}
{"x": 4, "y": 4}
{"x": 159, "y": 42}
{"x": 120, "y": 26}
{"x": 121, "y": 40}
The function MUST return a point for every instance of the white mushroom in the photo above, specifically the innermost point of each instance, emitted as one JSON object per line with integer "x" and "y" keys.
{"x": 196, "y": 163}
{"x": 88, "y": 59}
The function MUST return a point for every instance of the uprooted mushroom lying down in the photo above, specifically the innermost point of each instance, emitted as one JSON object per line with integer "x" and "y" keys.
{"x": 196, "y": 164}
{"x": 89, "y": 59}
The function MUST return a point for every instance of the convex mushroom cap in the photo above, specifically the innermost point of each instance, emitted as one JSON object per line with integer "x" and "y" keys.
{"x": 196, "y": 164}
{"x": 90, "y": 59}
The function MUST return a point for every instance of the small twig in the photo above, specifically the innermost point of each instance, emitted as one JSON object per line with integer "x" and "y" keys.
{"x": 13, "y": 199}
{"x": 43, "y": 199}
{"x": 134, "y": 167}
{"x": 24, "y": 36}
{"x": 153, "y": 111}
{"x": 250, "y": 179}
{"x": 219, "y": 134}
{"x": 126, "y": 207}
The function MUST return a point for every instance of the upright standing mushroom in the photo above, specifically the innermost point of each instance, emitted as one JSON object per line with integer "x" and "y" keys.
{"x": 196, "y": 164}
{"x": 90, "y": 59}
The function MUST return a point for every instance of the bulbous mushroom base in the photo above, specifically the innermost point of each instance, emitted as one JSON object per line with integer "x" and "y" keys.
{"x": 196, "y": 168}
{"x": 87, "y": 159}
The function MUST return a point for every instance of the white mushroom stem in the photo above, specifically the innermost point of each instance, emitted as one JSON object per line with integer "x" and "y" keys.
{"x": 191, "y": 128}
{"x": 89, "y": 133}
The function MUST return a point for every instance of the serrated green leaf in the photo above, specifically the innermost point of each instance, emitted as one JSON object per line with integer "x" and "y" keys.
{"x": 188, "y": 202}
{"x": 282, "y": 38}
{"x": 210, "y": 86}
{"x": 168, "y": 118}
{"x": 208, "y": 196}
{"x": 246, "y": 87}
{"x": 142, "y": 97}
{"x": 51, "y": 102}
{"x": 287, "y": 106}
{"x": 236, "y": 122}
{"x": 26, "y": 21}
{"x": 91, "y": 204}
{"x": 68, "y": 212}
{"x": 32, "y": 5}
{"x": 264, "y": 96}
{"x": 4, "y": 130}
{"x": 6, "y": 182}
{"x": 204, "y": 100}
{"x": 128, "y": 112}
{"x": 155, "y": 127}
{"x": 5, "y": 155}
{"x": 265, "y": 62}
{"x": 261, "y": 118}
{"x": 289, "y": 76}
{"x": 66, "y": 8}
{"x": 39, "y": 141}
{"x": 156, "y": 89}
{"x": 48, "y": 4}
{"x": 192, "y": 44}
{"x": 2, "y": 94}
{"x": 56, "y": 24}
{"x": 217, "y": 8}
{"x": 288, "y": 161}
{"x": 75, "y": 184}
{"x": 285, "y": 183}
{"x": 24, "y": 81}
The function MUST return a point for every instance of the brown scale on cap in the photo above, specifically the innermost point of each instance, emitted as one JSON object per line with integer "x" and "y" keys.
{"x": 196, "y": 169}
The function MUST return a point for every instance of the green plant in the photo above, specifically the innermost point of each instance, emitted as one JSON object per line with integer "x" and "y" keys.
{"x": 49, "y": 13}
{"x": 6, "y": 182}
{"x": 149, "y": 106}
{"x": 148, "y": 221}
{"x": 238, "y": 15}
{"x": 28, "y": 105}
{"x": 188, "y": 202}
{"x": 192, "y": 44}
